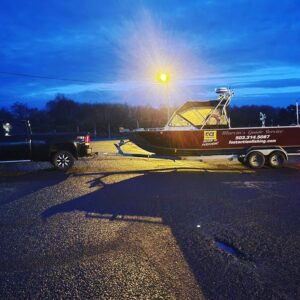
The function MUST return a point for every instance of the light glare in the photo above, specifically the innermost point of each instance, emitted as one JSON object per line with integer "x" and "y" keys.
{"x": 150, "y": 56}
{"x": 163, "y": 77}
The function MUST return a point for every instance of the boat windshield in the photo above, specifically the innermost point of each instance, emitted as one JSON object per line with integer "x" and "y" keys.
{"x": 178, "y": 121}
{"x": 197, "y": 115}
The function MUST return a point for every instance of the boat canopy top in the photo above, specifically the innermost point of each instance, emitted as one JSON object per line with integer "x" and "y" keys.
{"x": 196, "y": 113}
{"x": 197, "y": 103}
{"x": 200, "y": 114}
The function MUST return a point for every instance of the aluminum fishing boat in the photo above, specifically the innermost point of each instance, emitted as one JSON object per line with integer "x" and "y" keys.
{"x": 200, "y": 128}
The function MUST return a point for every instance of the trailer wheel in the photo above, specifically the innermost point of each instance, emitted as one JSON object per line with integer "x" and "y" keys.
{"x": 63, "y": 160}
{"x": 276, "y": 159}
{"x": 255, "y": 160}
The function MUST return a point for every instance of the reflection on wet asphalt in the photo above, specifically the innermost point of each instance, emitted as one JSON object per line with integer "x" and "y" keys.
{"x": 124, "y": 228}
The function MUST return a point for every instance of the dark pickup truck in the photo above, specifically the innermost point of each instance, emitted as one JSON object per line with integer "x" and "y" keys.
{"x": 18, "y": 144}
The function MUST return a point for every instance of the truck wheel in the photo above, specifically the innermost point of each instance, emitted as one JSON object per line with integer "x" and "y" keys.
{"x": 242, "y": 160}
{"x": 276, "y": 159}
{"x": 63, "y": 160}
{"x": 255, "y": 160}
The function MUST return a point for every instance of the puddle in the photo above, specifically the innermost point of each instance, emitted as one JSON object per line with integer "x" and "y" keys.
{"x": 229, "y": 249}
{"x": 226, "y": 248}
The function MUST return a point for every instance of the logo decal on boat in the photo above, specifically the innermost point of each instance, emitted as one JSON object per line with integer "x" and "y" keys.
{"x": 210, "y": 138}
{"x": 210, "y": 135}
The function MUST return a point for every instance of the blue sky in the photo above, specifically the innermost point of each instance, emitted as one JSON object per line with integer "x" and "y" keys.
{"x": 252, "y": 46}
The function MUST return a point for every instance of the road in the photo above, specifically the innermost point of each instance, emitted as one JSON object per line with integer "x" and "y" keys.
{"x": 127, "y": 228}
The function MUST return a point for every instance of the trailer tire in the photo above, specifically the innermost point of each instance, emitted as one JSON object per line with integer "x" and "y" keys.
{"x": 62, "y": 160}
{"x": 276, "y": 159}
{"x": 255, "y": 160}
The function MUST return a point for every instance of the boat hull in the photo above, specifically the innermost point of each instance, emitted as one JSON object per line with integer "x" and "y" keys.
{"x": 216, "y": 141}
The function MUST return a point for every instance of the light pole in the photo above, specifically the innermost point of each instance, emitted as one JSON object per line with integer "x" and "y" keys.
{"x": 164, "y": 78}
{"x": 297, "y": 112}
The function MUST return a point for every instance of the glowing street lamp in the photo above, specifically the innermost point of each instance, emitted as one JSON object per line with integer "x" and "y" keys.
{"x": 164, "y": 78}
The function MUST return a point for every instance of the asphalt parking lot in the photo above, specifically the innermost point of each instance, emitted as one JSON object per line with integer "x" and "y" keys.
{"x": 127, "y": 228}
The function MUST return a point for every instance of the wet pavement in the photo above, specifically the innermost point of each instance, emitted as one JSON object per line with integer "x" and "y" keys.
{"x": 127, "y": 228}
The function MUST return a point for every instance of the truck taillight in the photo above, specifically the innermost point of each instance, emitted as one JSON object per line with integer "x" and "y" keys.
{"x": 80, "y": 138}
{"x": 87, "y": 140}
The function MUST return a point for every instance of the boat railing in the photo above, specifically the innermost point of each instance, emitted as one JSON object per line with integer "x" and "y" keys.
{"x": 224, "y": 100}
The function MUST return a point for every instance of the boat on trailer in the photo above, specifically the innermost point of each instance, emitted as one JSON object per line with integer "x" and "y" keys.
{"x": 201, "y": 128}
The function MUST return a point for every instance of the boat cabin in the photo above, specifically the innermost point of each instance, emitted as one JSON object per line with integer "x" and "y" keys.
{"x": 196, "y": 114}
{"x": 202, "y": 114}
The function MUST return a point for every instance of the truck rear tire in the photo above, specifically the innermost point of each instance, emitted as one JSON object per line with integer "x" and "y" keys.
{"x": 276, "y": 159}
{"x": 242, "y": 160}
{"x": 255, "y": 160}
{"x": 63, "y": 160}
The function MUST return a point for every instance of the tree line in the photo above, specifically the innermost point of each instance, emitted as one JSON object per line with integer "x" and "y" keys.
{"x": 104, "y": 119}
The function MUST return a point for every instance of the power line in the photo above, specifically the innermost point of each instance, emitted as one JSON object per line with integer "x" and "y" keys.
{"x": 46, "y": 77}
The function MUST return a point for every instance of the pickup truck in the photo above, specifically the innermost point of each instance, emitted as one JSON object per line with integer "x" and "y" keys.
{"x": 18, "y": 144}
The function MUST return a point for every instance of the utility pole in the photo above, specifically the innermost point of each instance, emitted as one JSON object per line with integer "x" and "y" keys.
{"x": 164, "y": 79}
{"x": 95, "y": 130}
{"x": 297, "y": 112}
{"x": 109, "y": 130}
{"x": 168, "y": 103}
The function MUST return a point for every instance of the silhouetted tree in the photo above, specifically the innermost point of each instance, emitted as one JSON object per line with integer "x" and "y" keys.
{"x": 20, "y": 111}
{"x": 63, "y": 114}
{"x": 5, "y": 114}
{"x": 244, "y": 116}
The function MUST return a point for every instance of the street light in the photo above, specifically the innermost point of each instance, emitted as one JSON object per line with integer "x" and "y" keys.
{"x": 164, "y": 78}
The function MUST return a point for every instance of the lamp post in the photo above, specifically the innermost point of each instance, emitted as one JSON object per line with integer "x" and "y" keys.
{"x": 164, "y": 78}
{"x": 297, "y": 112}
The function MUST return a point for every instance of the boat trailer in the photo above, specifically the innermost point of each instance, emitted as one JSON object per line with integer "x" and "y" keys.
{"x": 254, "y": 158}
